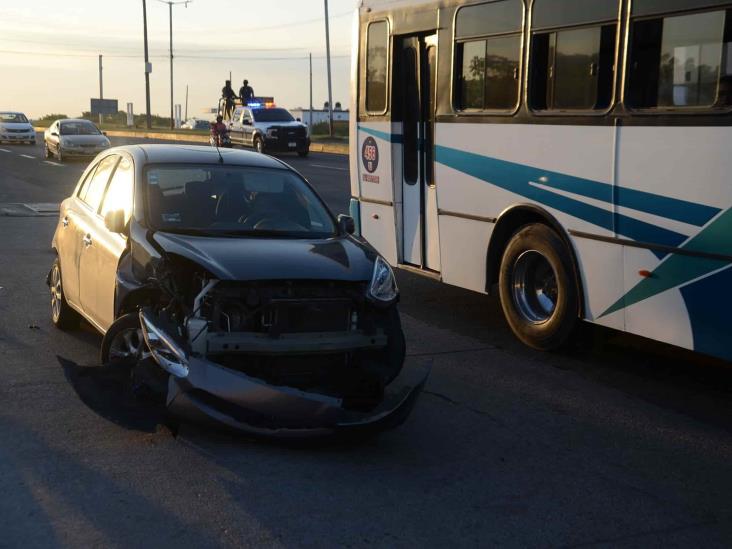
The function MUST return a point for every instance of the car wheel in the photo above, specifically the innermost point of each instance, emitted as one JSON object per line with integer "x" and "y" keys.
{"x": 303, "y": 154}
{"x": 123, "y": 344}
{"x": 539, "y": 294}
{"x": 59, "y": 154}
{"x": 46, "y": 151}
{"x": 62, "y": 315}
{"x": 259, "y": 145}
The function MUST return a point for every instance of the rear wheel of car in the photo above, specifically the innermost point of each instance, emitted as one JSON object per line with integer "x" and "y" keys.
{"x": 62, "y": 315}
{"x": 258, "y": 144}
{"x": 538, "y": 290}
{"x": 303, "y": 154}
{"x": 123, "y": 344}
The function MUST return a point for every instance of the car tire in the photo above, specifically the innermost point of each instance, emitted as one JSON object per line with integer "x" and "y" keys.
{"x": 303, "y": 154}
{"x": 46, "y": 151}
{"x": 59, "y": 154}
{"x": 538, "y": 290}
{"x": 62, "y": 315}
{"x": 259, "y": 145}
{"x": 123, "y": 343}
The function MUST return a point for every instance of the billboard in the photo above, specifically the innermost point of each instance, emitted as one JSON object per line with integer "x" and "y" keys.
{"x": 104, "y": 106}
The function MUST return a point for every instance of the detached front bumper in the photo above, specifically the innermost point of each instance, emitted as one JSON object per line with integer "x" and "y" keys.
{"x": 212, "y": 392}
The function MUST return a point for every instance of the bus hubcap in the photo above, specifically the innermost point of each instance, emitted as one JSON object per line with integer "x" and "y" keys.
{"x": 534, "y": 285}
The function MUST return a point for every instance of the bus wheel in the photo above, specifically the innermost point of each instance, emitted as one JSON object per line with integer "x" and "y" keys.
{"x": 537, "y": 288}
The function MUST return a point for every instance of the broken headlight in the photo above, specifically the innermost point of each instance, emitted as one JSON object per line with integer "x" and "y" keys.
{"x": 383, "y": 285}
{"x": 166, "y": 352}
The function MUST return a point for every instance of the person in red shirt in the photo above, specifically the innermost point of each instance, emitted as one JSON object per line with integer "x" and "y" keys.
{"x": 219, "y": 129}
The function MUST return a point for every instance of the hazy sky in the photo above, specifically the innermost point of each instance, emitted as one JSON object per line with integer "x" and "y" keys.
{"x": 49, "y": 52}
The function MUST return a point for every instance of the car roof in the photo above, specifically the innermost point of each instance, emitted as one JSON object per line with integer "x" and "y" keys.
{"x": 11, "y": 112}
{"x": 195, "y": 154}
{"x": 62, "y": 120}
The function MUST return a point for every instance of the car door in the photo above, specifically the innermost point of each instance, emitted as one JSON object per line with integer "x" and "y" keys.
{"x": 247, "y": 122}
{"x": 91, "y": 231}
{"x": 235, "y": 127}
{"x": 68, "y": 239}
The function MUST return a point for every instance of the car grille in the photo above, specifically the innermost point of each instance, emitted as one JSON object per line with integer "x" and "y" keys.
{"x": 17, "y": 131}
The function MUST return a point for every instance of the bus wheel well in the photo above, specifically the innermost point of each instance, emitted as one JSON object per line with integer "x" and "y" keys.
{"x": 510, "y": 222}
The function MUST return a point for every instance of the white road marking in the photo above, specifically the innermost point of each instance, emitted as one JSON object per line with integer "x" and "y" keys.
{"x": 27, "y": 156}
{"x": 329, "y": 167}
{"x": 52, "y": 163}
{"x": 5, "y": 150}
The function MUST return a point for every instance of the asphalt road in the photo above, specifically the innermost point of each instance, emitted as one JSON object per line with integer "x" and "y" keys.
{"x": 619, "y": 442}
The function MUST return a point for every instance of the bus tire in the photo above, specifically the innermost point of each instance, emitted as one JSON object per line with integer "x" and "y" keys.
{"x": 539, "y": 294}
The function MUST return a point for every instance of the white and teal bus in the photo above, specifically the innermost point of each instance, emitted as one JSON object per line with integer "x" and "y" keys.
{"x": 575, "y": 156}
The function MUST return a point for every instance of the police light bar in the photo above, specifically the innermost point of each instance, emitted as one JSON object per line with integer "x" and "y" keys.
{"x": 258, "y": 102}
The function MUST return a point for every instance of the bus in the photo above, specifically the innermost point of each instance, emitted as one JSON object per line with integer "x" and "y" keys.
{"x": 572, "y": 156}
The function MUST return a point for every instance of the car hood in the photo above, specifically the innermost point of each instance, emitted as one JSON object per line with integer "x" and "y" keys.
{"x": 337, "y": 258}
{"x": 85, "y": 139}
{"x": 16, "y": 126}
{"x": 265, "y": 125}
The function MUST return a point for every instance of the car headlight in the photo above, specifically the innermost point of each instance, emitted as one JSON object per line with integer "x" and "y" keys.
{"x": 272, "y": 132}
{"x": 383, "y": 285}
{"x": 165, "y": 351}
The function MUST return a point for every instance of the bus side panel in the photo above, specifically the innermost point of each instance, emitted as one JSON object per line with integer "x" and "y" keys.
{"x": 485, "y": 169}
{"x": 685, "y": 299}
{"x": 463, "y": 251}
{"x": 377, "y": 226}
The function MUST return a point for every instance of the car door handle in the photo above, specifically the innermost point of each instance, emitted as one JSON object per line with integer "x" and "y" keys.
{"x": 65, "y": 221}
{"x": 87, "y": 240}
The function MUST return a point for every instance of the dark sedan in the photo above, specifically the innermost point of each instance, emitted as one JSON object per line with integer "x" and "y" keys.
{"x": 224, "y": 282}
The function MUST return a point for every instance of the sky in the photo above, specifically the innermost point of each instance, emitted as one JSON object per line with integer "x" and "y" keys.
{"x": 49, "y": 52}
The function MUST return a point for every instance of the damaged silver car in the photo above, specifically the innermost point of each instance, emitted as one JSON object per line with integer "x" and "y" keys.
{"x": 226, "y": 285}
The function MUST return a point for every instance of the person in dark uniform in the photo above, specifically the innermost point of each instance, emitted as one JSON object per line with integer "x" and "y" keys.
{"x": 246, "y": 93}
{"x": 228, "y": 95}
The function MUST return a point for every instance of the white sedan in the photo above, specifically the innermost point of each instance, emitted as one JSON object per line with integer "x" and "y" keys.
{"x": 74, "y": 137}
{"x": 16, "y": 128}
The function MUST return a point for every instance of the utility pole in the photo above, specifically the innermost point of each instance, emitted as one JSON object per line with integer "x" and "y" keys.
{"x": 148, "y": 67}
{"x": 310, "y": 55}
{"x": 101, "y": 86}
{"x": 327, "y": 55}
{"x": 170, "y": 14}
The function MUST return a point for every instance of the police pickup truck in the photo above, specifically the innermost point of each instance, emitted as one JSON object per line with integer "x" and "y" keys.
{"x": 267, "y": 128}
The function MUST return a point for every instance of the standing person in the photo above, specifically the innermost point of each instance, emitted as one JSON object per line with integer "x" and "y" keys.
{"x": 246, "y": 93}
{"x": 228, "y": 95}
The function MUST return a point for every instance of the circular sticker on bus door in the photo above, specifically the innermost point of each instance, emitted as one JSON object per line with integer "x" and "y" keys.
{"x": 370, "y": 154}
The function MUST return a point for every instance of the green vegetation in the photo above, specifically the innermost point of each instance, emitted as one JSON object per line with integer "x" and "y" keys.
{"x": 48, "y": 119}
{"x": 340, "y": 129}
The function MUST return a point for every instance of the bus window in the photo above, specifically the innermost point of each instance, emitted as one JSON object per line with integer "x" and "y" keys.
{"x": 376, "y": 66}
{"x": 487, "y": 75}
{"x": 682, "y": 61}
{"x": 573, "y": 68}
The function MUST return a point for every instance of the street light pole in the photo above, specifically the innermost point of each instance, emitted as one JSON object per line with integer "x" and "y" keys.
{"x": 101, "y": 86}
{"x": 147, "y": 67}
{"x": 327, "y": 55}
{"x": 170, "y": 14}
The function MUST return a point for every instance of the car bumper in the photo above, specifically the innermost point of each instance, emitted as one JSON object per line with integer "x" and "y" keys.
{"x": 17, "y": 137}
{"x": 82, "y": 152}
{"x": 213, "y": 393}
{"x": 284, "y": 145}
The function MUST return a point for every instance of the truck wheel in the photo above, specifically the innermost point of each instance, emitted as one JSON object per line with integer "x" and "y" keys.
{"x": 62, "y": 315}
{"x": 258, "y": 145}
{"x": 303, "y": 154}
{"x": 538, "y": 290}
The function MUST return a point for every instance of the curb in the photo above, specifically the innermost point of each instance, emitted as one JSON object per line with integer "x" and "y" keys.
{"x": 331, "y": 148}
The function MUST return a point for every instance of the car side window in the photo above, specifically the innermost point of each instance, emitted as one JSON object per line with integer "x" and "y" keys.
{"x": 85, "y": 185}
{"x": 246, "y": 115}
{"x": 120, "y": 189}
{"x": 97, "y": 185}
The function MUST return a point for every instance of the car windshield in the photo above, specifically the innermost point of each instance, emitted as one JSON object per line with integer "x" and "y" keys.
{"x": 12, "y": 117}
{"x": 79, "y": 128}
{"x": 202, "y": 124}
{"x": 272, "y": 115}
{"x": 220, "y": 200}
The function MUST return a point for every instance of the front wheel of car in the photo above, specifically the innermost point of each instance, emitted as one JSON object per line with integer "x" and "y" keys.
{"x": 303, "y": 154}
{"x": 258, "y": 145}
{"x": 539, "y": 293}
{"x": 46, "y": 151}
{"x": 59, "y": 154}
{"x": 123, "y": 344}
{"x": 62, "y": 315}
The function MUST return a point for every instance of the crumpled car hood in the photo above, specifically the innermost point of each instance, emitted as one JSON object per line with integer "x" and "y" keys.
{"x": 339, "y": 258}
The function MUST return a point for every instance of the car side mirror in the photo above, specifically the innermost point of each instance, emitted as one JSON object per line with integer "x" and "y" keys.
{"x": 298, "y": 119}
{"x": 55, "y": 134}
{"x": 115, "y": 221}
{"x": 104, "y": 133}
{"x": 346, "y": 224}
{"x": 246, "y": 122}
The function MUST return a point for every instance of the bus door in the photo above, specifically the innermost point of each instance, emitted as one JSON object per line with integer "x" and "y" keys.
{"x": 415, "y": 98}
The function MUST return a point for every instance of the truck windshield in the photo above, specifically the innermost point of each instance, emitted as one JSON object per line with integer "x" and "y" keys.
{"x": 220, "y": 200}
{"x": 272, "y": 115}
